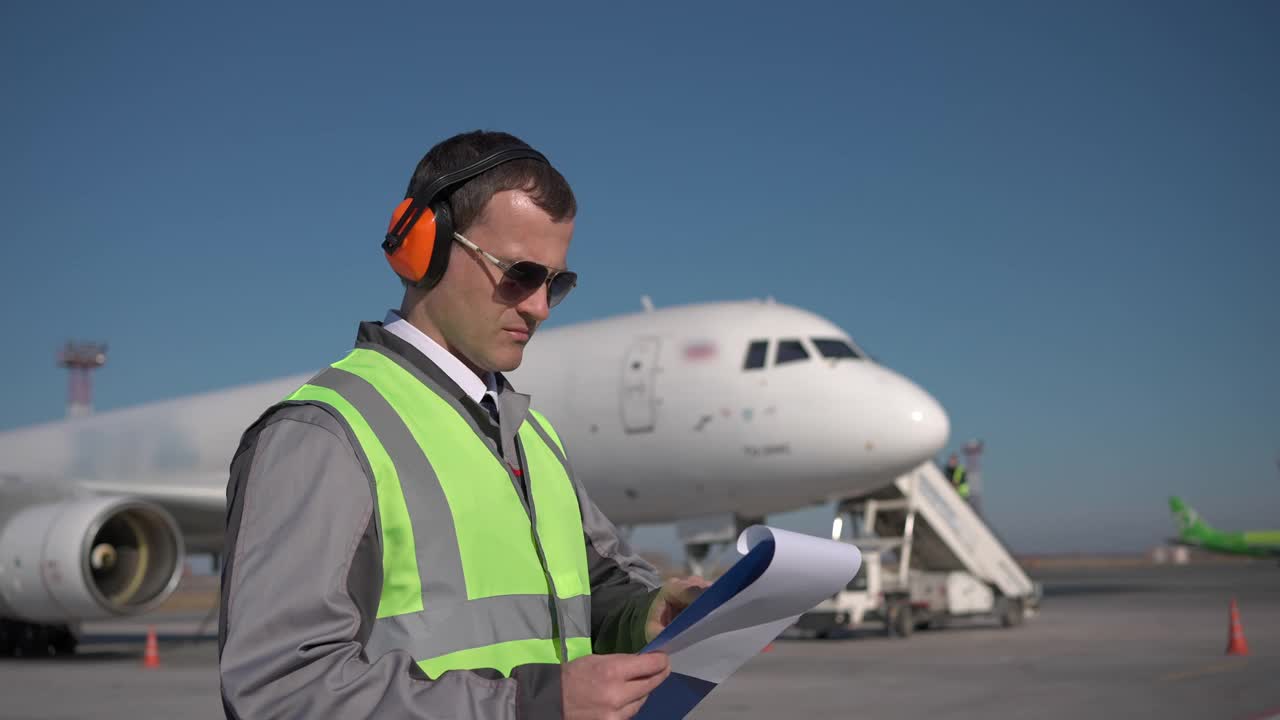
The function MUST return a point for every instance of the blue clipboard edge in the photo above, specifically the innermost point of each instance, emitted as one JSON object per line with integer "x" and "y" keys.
{"x": 744, "y": 572}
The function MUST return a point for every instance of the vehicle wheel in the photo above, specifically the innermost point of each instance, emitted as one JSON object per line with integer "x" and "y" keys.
{"x": 1011, "y": 615}
{"x": 904, "y": 624}
{"x": 8, "y": 637}
{"x": 33, "y": 641}
{"x": 62, "y": 640}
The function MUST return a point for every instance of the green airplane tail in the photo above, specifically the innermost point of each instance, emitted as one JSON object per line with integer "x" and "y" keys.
{"x": 1190, "y": 524}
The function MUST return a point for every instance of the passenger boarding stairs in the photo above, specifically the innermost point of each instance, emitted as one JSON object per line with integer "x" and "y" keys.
{"x": 932, "y": 528}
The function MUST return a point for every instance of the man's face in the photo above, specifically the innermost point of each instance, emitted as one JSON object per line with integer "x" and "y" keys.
{"x": 487, "y": 328}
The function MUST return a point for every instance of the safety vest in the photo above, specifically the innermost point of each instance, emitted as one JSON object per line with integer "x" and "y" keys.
{"x": 961, "y": 483}
{"x": 470, "y": 579}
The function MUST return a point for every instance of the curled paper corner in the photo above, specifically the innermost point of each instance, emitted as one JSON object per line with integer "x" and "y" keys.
{"x": 756, "y": 534}
{"x": 752, "y": 537}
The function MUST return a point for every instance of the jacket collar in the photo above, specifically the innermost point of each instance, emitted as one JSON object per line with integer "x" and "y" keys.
{"x": 512, "y": 405}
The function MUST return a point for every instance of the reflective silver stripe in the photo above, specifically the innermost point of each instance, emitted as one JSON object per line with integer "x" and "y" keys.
{"x": 453, "y": 402}
{"x": 551, "y": 444}
{"x": 432, "y": 385}
{"x": 577, "y": 615}
{"x": 435, "y": 541}
{"x": 440, "y": 629}
{"x": 565, "y": 611}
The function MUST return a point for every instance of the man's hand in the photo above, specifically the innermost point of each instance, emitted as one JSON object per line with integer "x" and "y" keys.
{"x": 676, "y": 595}
{"x": 610, "y": 687}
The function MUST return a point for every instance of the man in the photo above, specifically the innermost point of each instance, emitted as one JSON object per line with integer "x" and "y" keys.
{"x": 956, "y": 474}
{"x": 405, "y": 537}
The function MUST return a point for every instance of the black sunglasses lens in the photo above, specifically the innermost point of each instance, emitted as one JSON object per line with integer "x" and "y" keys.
{"x": 560, "y": 286}
{"x": 527, "y": 275}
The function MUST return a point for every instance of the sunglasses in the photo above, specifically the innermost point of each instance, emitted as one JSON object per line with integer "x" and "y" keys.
{"x": 521, "y": 279}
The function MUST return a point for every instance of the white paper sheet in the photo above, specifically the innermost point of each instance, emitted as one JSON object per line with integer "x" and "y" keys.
{"x": 780, "y": 576}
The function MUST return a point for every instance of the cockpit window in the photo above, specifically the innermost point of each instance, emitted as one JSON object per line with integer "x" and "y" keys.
{"x": 756, "y": 353}
{"x": 834, "y": 348}
{"x": 790, "y": 351}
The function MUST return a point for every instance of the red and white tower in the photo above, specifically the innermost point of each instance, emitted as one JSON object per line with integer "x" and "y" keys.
{"x": 81, "y": 359}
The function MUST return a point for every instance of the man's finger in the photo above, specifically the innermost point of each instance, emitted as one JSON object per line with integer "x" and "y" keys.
{"x": 639, "y": 667}
{"x": 686, "y": 590}
{"x": 689, "y": 594}
{"x": 653, "y": 681}
{"x": 638, "y": 690}
{"x": 630, "y": 709}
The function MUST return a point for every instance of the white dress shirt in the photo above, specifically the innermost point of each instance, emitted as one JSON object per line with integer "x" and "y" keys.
{"x": 471, "y": 384}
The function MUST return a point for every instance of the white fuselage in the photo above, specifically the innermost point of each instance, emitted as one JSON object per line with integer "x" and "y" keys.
{"x": 659, "y": 417}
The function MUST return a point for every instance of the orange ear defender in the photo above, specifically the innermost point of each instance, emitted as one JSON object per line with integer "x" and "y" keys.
{"x": 420, "y": 236}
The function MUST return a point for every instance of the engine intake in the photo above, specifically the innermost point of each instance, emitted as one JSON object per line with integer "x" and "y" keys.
{"x": 88, "y": 558}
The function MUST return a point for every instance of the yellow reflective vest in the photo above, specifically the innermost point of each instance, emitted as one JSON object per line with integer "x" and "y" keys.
{"x": 471, "y": 579}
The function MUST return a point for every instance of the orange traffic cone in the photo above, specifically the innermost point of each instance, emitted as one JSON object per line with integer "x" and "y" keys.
{"x": 151, "y": 657}
{"x": 1236, "y": 644}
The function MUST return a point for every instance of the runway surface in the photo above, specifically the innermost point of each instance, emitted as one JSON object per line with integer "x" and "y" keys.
{"x": 1116, "y": 642}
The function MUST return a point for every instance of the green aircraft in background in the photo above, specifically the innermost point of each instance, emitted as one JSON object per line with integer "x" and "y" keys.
{"x": 1192, "y": 530}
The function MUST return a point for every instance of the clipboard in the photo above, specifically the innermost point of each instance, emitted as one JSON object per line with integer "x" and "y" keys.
{"x": 780, "y": 575}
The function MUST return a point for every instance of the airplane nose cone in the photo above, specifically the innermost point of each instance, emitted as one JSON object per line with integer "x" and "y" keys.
{"x": 931, "y": 428}
{"x": 915, "y": 427}
{"x": 878, "y": 423}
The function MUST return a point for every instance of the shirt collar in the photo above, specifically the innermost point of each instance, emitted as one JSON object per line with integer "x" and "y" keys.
{"x": 473, "y": 386}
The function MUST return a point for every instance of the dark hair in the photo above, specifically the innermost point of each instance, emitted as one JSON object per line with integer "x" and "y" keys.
{"x": 545, "y": 185}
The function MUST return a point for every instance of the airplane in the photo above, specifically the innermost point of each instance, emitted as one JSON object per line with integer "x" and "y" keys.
{"x": 1194, "y": 531}
{"x": 735, "y": 408}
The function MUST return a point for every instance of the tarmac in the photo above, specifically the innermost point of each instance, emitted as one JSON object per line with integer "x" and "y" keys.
{"x": 1108, "y": 642}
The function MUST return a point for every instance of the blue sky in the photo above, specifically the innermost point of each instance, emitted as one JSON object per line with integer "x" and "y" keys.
{"x": 1062, "y": 219}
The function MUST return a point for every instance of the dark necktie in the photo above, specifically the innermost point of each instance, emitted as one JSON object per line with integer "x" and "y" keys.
{"x": 495, "y": 432}
{"x": 490, "y": 407}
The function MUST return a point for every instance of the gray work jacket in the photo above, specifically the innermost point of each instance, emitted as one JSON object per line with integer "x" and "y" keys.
{"x": 303, "y": 574}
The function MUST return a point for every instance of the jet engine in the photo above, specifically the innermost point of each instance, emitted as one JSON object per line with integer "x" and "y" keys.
{"x": 87, "y": 558}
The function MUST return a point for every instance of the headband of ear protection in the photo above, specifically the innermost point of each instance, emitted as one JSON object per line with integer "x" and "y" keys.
{"x": 420, "y": 237}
